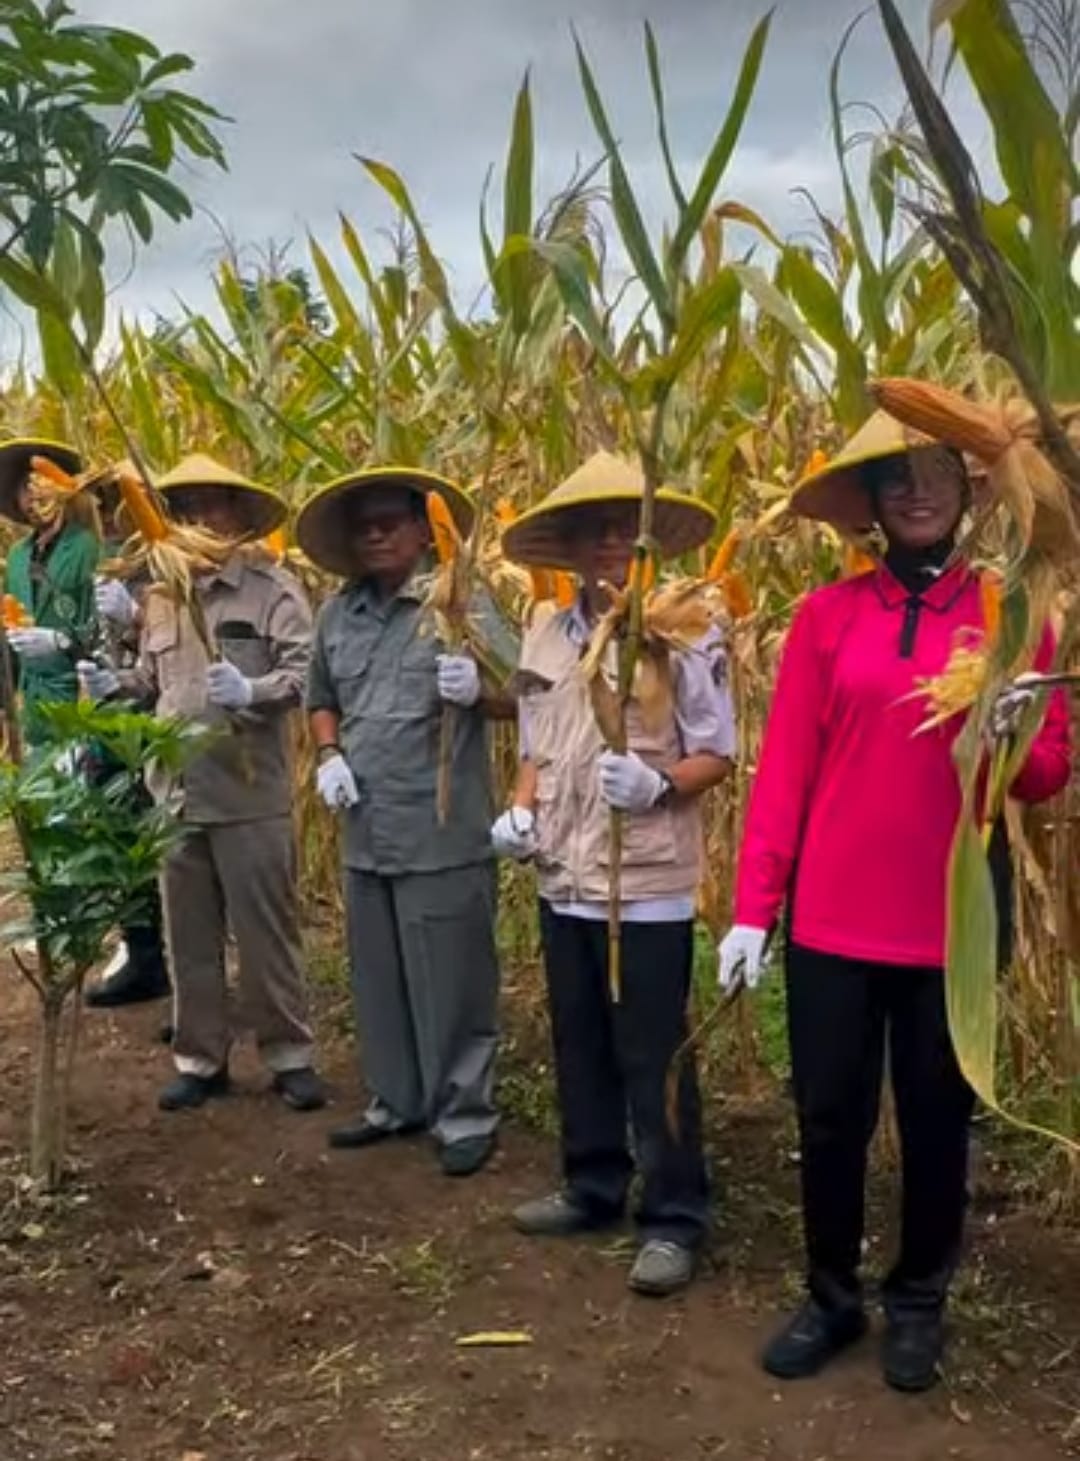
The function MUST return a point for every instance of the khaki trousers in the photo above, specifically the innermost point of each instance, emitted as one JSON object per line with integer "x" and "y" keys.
{"x": 237, "y": 877}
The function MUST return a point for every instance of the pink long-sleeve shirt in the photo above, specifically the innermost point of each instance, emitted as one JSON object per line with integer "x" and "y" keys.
{"x": 852, "y": 813}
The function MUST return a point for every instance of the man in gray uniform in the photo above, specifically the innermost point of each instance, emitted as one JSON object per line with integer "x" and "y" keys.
{"x": 420, "y": 892}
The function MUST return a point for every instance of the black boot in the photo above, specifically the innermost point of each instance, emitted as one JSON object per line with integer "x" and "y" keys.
{"x": 810, "y": 1340}
{"x": 136, "y": 974}
{"x": 911, "y": 1351}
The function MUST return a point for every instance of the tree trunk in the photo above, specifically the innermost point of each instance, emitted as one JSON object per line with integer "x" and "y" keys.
{"x": 46, "y": 1155}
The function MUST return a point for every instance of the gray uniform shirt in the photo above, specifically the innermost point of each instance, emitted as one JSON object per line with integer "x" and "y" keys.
{"x": 374, "y": 666}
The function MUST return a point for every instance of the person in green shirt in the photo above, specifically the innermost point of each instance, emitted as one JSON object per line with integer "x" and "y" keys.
{"x": 51, "y": 573}
{"x": 137, "y": 971}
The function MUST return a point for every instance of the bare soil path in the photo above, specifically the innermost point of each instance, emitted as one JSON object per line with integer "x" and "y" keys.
{"x": 220, "y": 1287}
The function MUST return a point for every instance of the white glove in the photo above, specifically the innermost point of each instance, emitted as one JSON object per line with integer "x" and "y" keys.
{"x": 98, "y": 681}
{"x": 628, "y": 784}
{"x": 514, "y": 834}
{"x": 114, "y": 604}
{"x": 228, "y": 688}
{"x": 741, "y": 950}
{"x": 336, "y": 783}
{"x": 1010, "y": 705}
{"x": 459, "y": 680}
{"x": 69, "y": 761}
{"x": 38, "y": 643}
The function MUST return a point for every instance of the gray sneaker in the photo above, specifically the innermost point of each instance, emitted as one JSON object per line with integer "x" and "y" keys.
{"x": 555, "y": 1216}
{"x": 661, "y": 1268}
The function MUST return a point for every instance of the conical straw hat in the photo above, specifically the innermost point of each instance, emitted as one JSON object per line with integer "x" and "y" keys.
{"x": 263, "y": 508}
{"x": 15, "y": 458}
{"x": 838, "y": 493}
{"x": 541, "y": 537}
{"x": 323, "y": 530}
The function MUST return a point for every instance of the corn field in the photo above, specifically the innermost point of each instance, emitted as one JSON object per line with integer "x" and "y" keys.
{"x": 726, "y": 352}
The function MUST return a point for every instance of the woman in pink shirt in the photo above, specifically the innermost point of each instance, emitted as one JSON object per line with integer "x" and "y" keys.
{"x": 850, "y": 823}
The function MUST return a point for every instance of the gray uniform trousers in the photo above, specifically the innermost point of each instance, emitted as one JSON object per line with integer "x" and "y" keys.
{"x": 425, "y": 981}
{"x": 239, "y": 876}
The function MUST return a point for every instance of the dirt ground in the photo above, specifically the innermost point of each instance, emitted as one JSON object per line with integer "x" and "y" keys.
{"x": 217, "y": 1286}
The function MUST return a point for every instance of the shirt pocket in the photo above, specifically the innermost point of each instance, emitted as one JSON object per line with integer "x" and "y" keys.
{"x": 416, "y": 685}
{"x": 252, "y": 654}
{"x": 162, "y": 641}
{"x": 648, "y": 840}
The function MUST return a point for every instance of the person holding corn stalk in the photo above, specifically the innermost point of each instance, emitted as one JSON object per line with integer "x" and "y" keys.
{"x": 852, "y": 815}
{"x": 232, "y": 653}
{"x": 613, "y": 1048}
{"x": 137, "y": 972}
{"x": 49, "y": 574}
{"x": 419, "y": 878}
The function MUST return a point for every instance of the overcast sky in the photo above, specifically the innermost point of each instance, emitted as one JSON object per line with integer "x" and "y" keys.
{"x": 428, "y": 86}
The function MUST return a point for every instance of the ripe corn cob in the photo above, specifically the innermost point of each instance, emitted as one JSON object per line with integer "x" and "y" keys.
{"x": 444, "y": 533}
{"x": 14, "y": 615}
{"x": 980, "y": 430}
{"x": 722, "y": 558}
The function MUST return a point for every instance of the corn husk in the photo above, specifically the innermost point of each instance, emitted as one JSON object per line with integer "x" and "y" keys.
{"x": 676, "y": 617}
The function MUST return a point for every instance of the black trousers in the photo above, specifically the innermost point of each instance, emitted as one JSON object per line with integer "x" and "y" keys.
{"x": 840, "y": 1015}
{"x": 142, "y": 932}
{"x": 611, "y": 1065}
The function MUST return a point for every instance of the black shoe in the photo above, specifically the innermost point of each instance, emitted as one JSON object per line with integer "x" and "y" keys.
{"x": 366, "y": 1133}
{"x": 134, "y": 982}
{"x": 911, "y": 1352}
{"x": 463, "y": 1158}
{"x": 187, "y": 1091}
{"x": 301, "y": 1089}
{"x": 810, "y": 1340}
{"x": 165, "y": 1033}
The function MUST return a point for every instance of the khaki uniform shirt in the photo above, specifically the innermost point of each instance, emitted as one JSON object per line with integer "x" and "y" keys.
{"x": 260, "y": 620}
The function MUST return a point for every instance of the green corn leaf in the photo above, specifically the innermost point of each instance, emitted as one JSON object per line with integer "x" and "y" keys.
{"x": 496, "y": 277}
{"x": 775, "y": 304}
{"x": 693, "y": 215}
{"x": 431, "y": 270}
{"x": 518, "y": 209}
{"x": 656, "y": 81}
{"x": 971, "y": 972}
{"x": 144, "y": 402}
{"x": 870, "y": 292}
{"x": 571, "y": 271}
{"x": 628, "y": 217}
{"x": 1033, "y": 152}
{"x": 707, "y": 310}
{"x": 350, "y": 326}
{"x": 384, "y": 313}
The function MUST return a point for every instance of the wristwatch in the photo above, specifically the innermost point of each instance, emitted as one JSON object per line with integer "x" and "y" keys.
{"x": 330, "y": 749}
{"x": 668, "y": 790}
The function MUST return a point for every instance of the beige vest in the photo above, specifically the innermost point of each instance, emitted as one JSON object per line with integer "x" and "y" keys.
{"x": 661, "y": 847}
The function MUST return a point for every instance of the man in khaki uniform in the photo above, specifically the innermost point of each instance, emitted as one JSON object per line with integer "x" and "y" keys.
{"x": 236, "y": 868}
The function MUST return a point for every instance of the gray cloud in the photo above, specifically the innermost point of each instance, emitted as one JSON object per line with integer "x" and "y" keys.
{"x": 428, "y": 85}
